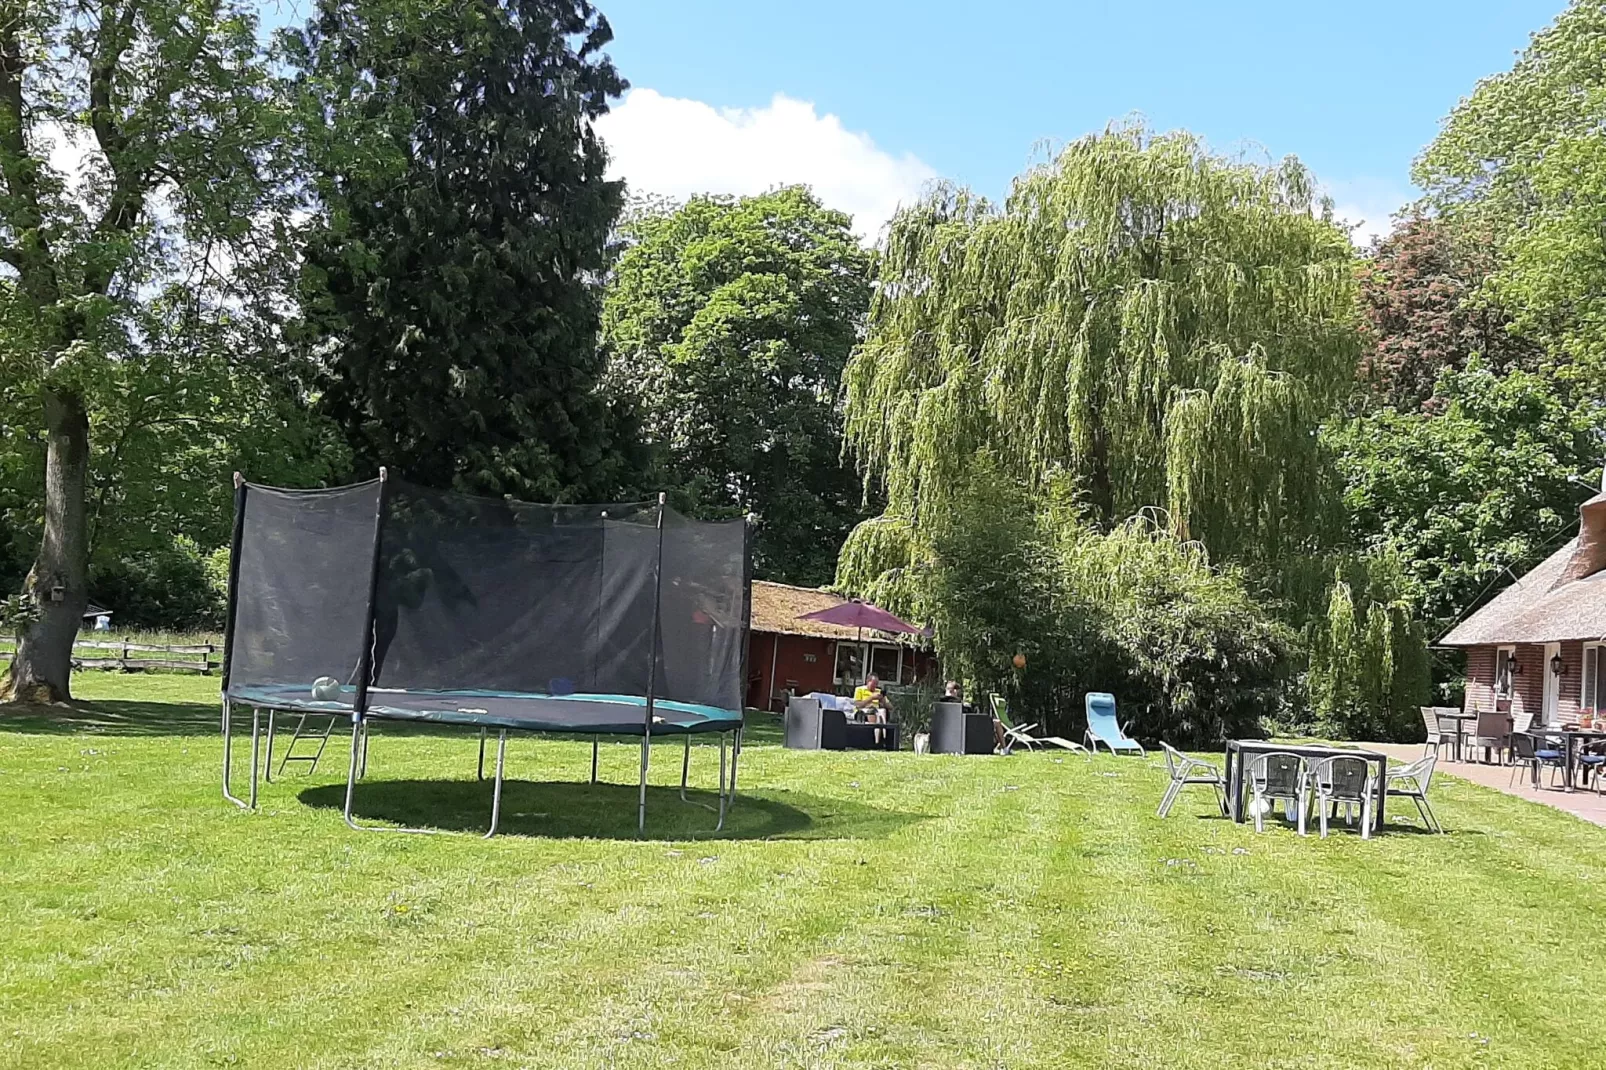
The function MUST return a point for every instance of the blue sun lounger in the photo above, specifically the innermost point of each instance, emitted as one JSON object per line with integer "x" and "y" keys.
{"x": 1102, "y": 726}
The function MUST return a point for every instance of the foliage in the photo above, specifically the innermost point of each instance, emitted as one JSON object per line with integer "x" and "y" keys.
{"x": 167, "y": 586}
{"x": 1191, "y": 656}
{"x": 1523, "y": 160}
{"x": 167, "y": 109}
{"x": 1419, "y": 293}
{"x": 1158, "y": 324}
{"x": 1369, "y": 667}
{"x": 728, "y": 322}
{"x": 461, "y": 222}
{"x": 1466, "y": 496}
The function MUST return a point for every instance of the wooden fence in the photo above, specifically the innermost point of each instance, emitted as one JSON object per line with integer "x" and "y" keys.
{"x": 128, "y": 656}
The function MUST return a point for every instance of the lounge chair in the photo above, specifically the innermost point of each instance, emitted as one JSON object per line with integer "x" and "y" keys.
{"x": 1184, "y": 771}
{"x": 1022, "y": 735}
{"x": 1102, "y": 726}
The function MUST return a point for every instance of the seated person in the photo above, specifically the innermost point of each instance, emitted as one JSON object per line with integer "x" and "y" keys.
{"x": 953, "y": 693}
{"x": 870, "y": 701}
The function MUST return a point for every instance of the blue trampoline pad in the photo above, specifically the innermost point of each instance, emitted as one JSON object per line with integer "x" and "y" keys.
{"x": 611, "y": 715}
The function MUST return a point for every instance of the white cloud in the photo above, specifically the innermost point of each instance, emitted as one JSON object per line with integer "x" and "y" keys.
{"x": 676, "y": 147}
{"x": 1367, "y": 206}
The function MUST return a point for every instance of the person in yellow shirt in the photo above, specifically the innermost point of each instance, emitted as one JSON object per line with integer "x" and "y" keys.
{"x": 870, "y": 702}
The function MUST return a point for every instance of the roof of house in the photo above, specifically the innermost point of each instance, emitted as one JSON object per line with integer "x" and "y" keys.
{"x": 777, "y": 607}
{"x": 1539, "y": 607}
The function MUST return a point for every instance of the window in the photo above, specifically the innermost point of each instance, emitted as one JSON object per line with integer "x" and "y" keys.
{"x": 1504, "y": 659}
{"x": 849, "y": 664}
{"x": 885, "y": 661}
{"x": 1594, "y": 683}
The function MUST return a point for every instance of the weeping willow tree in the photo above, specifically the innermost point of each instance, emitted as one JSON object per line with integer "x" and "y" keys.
{"x": 1164, "y": 326}
{"x": 1141, "y": 328}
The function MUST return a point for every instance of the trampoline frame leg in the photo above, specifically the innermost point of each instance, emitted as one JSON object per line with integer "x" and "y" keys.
{"x": 685, "y": 768}
{"x": 480, "y": 773}
{"x": 359, "y": 757}
{"x": 267, "y": 765}
{"x": 594, "y": 742}
{"x": 641, "y": 807}
{"x": 362, "y": 771}
{"x": 250, "y": 803}
{"x": 720, "y": 825}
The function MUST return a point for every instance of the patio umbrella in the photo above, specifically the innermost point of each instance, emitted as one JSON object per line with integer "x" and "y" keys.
{"x": 862, "y": 615}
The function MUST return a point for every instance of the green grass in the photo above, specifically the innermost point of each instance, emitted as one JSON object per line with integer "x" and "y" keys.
{"x": 863, "y": 910}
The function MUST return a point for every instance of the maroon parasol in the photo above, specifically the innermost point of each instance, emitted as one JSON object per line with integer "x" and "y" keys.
{"x": 861, "y": 615}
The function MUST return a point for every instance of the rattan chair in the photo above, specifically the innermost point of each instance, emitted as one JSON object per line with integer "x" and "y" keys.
{"x": 1492, "y": 733}
{"x": 1430, "y": 721}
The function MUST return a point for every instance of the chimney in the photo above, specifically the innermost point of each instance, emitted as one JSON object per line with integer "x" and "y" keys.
{"x": 1589, "y": 556}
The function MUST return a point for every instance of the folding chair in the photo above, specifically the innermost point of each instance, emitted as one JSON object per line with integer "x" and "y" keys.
{"x": 1022, "y": 734}
{"x": 1102, "y": 727}
{"x": 1184, "y": 771}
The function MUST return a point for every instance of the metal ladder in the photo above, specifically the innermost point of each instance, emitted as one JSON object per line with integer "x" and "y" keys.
{"x": 321, "y": 739}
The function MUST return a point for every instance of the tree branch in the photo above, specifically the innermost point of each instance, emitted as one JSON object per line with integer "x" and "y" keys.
{"x": 31, "y": 256}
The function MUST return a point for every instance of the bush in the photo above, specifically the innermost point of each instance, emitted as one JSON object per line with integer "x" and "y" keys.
{"x": 172, "y": 587}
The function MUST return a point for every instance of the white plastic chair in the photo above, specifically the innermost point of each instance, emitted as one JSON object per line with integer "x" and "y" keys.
{"x": 1411, "y": 782}
{"x": 1184, "y": 771}
{"x": 1277, "y": 776}
{"x": 1345, "y": 779}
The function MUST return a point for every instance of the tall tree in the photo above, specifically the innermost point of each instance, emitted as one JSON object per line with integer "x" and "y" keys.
{"x": 1424, "y": 310}
{"x": 1166, "y": 326}
{"x": 728, "y": 323}
{"x": 165, "y": 110}
{"x": 1523, "y": 159}
{"x": 462, "y": 221}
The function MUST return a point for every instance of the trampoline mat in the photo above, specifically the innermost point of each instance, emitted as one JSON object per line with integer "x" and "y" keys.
{"x": 614, "y": 715}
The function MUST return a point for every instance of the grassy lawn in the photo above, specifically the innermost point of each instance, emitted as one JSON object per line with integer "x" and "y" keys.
{"x": 862, "y": 910}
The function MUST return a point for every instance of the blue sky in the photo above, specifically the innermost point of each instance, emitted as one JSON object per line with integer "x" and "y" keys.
{"x": 869, "y": 99}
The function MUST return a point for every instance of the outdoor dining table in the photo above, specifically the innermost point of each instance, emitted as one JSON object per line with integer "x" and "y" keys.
{"x": 1570, "y": 738}
{"x": 1242, "y": 751}
{"x": 1460, "y": 720}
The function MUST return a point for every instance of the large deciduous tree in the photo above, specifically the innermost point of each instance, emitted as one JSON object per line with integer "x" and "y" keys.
{"x": 1166, "y": 326}
{"x": 728, "y": 323}
{"x": 1425, "y": 313}
{"x": 132, "y": 156}
{"x": 462, "y": 220}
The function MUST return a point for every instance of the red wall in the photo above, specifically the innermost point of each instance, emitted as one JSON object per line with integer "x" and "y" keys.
{"x": 793, "y": 672}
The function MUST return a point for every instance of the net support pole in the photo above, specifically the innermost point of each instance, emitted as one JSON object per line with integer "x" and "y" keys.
{"x": 594, "y": 759}
{"x": 652, "y": 667}
{"x": 228, "y": 639}
{"x": 365, "y": 657}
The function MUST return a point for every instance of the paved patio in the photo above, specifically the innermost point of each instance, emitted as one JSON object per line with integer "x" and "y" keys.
{"x": 1585, "y": 804}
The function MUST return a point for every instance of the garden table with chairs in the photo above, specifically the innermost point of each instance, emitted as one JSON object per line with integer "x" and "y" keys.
{"x": 1241, "y": 751}
{"x": 1570, "y": 738}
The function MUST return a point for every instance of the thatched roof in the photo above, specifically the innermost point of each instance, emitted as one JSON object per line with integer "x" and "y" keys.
{"x": 1544, "y": 606}
{"x": 777, "y": 607}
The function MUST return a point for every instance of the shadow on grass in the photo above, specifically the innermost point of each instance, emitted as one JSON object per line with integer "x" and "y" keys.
{"x": 567, "y": 810}
{"x": 116, "y": 718}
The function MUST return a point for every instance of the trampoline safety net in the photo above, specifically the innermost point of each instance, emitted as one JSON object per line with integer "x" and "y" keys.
{"x": 525, "y": 604}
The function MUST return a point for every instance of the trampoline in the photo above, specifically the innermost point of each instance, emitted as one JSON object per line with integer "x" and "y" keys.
{"x": 387, "y": 601}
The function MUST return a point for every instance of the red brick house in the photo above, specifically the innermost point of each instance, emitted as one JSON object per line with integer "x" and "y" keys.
{"x": 785, "y": 654}
{"x": 1537, "y": 648}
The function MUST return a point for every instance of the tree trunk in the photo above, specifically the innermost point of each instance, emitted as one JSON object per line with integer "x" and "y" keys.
{"x": 59, "y": 581}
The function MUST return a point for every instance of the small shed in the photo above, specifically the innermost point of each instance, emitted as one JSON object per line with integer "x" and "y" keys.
{"x": 790, "y": 656}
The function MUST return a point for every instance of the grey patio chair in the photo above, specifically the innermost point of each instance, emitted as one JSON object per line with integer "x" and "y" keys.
{"x": 1411, "y": 782}
{"x": 1430, "y": 721}
{"x": 1347, "y": 780}
{"x": 1277, "y": 776}
{"x": 1492, "y": 733}
{"x": 1450, "y": 732}
{"x": 1184, "y": 771}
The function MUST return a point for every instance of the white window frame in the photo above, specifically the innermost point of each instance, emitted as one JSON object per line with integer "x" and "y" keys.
{"x": 1594, "y": 674}
{"x": 1505, "y": 686}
